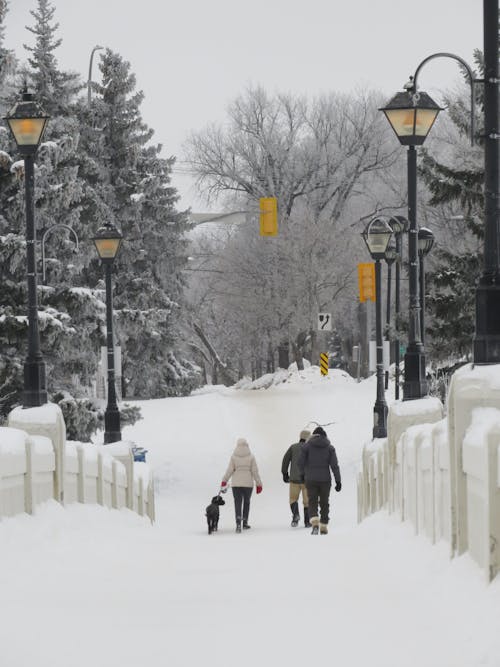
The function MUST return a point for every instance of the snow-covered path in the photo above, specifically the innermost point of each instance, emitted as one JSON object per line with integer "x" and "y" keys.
{"x": 87, "y": 587}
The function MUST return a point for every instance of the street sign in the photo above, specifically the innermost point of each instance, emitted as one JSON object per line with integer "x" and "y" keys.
{"x": 323, "y": 363}
{"x": 372, "y": 355}
{"x": 324, "y": 321}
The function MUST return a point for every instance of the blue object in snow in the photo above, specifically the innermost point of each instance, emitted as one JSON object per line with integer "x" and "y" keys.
{"x": 139, "y": 453}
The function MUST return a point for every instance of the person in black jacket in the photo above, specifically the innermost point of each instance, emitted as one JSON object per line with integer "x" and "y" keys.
{"x": 317, "y": 458}
{"x": 296, "y": 479}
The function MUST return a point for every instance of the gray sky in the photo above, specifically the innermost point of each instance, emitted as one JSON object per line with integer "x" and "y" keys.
{"x": 191, "y": 57}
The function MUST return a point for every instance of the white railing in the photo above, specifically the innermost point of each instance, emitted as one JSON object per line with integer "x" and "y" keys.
{"x": 443, "y": 476}
{"x": 105, "y": 475}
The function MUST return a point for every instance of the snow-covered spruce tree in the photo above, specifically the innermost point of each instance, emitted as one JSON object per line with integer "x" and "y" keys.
{"x": 456, "y": 189}
{"x": 69, "y": 315}
{"x": 12, "y": 248}
{"x": 128, "y": 183}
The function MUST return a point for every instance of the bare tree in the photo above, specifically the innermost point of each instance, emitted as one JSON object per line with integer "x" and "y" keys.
{"x": 317, "y": 159}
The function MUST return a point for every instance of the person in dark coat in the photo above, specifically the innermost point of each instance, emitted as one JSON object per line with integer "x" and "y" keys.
{"x": 293, "y": 475}
{"x": 317, "y": 458}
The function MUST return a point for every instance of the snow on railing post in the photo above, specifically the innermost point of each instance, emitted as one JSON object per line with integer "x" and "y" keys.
{"x": 100, "y": 480}
{"x": 140, "y": 499}
{"x": 114, "y": 486}
{"x": 81, "y": 474}
{"x": 493, "y": 491}
{"x": 28, "y": 476}
{"x": 151, "y": 500}
{"x": 45, "y": 420}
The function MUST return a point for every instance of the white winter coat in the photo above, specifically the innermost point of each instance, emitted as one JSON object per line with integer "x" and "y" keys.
{"x": 242, "y": 468}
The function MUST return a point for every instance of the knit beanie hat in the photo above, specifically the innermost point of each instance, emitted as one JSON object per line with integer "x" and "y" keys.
{"x": 319, "y": 431}
{"x": 305, "y": 435}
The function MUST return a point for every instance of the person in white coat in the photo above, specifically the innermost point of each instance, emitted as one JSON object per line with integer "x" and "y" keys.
{"x": 243, "y": 472}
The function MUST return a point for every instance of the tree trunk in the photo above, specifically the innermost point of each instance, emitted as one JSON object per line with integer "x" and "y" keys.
{"x": 270, "y": 359}
{"x": 297, "y": 355}
{"x": 227, "y": 375}
{"x": 314, "y": 348}
{"x": 284, "y": 354}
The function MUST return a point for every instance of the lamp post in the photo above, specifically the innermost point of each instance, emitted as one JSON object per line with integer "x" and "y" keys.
{"x": 399, "y": 226}
{"x": 411, "y": 115}
{"x": 377, "y": 235}
{"x": 89, "y": 82}
{"x": 425, "y": 243}
{"x": 107, "y": 241}
{"x": 390, "y": 257}
{"x": 487, "y": 335}
{"x": 27, "y": 122}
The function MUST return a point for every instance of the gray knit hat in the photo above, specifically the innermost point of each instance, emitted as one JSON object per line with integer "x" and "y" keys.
{"x": 305, "y": 435}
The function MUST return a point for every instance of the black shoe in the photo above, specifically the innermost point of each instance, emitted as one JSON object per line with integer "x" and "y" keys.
{"x": 246, "y": 525}
{"x": 307, "y": 523}
{"x": 315, "y": 530}
{"x": 238, "y": 525}
{"x": 295, "y": 520}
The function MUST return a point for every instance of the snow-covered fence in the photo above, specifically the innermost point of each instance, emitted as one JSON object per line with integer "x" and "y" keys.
{"x": 373, "y": 479}
{"x": 443, "y": 475}
{"x": 35, "y": 468}
{"x": 481, "y": 465}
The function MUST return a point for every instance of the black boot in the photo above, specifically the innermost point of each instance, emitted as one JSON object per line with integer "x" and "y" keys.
{"x": 295, "y": 513}
{"x": 246, "y": 525}
{"x": 307, "y": 523}
{"x": 238, "y": 525}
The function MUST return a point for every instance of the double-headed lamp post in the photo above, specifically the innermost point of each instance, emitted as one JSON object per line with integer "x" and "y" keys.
{"x": 107, "y": 241}
{"x": 399, "y": 226}
{"x": 377, "y": 236}
{"x": 27, "y": 122}
{"x": 425, "y": 243}
{"x": 390, "y": 257}
{"x": 411, "y": 115}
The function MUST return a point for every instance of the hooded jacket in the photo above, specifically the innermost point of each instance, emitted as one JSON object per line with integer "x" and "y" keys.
{"x": 317, "y": 458}
{"x": 291, "y": 460}
{"x": 242, "y": 468}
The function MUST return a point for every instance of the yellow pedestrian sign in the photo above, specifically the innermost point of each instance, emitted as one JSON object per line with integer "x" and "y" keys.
{"x": 323, "y": 363}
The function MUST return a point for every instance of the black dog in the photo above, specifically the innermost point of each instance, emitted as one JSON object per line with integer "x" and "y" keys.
{"x": 212, "y": 513}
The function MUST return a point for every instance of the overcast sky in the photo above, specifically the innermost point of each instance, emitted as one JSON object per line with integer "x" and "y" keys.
{"x": 191, "y": 57}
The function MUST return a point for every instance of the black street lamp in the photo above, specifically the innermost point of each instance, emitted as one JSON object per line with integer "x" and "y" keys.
{"x": 411, "y": 115}
{"x": 377, "y": 236}
{"x": 425, "y": 243}
{"x": 27, "y": 122}
{"x": 390, "y": 257}
{"x": 399, "y": 226}
{"x": 107, "y": 241}
{"x": 487, "y": 336}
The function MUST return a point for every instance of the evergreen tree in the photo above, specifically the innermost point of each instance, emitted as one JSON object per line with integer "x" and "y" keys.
{"x": 55, "y": 90}
{"x": 451, "y": 286}
{"x": 68, "y": 316}
{"x": 128, "y": 183}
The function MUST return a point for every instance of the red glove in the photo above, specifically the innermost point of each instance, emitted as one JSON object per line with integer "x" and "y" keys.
{"x": 223, "y": 484}
{"x": 258, "y": 489}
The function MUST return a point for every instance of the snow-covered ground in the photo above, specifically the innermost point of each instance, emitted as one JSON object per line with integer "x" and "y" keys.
{"x": 89, "y": 587}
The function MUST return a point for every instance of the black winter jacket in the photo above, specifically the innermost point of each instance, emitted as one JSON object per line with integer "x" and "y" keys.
{"x": 317, "y": 458}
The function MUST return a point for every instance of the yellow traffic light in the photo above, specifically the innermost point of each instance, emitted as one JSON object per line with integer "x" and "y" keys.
{"x": 268, "y": 216}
